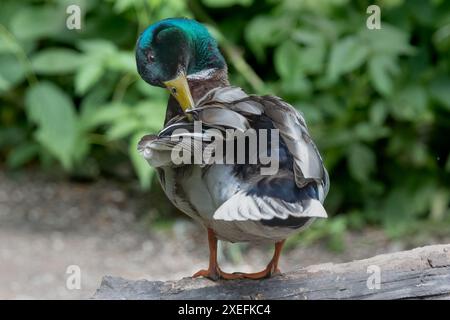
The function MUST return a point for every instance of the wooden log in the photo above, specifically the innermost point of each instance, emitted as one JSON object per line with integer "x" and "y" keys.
{"x": 421, "y": 273}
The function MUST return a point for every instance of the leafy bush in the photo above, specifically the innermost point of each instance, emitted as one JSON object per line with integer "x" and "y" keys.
{"x": 377, "y": 101}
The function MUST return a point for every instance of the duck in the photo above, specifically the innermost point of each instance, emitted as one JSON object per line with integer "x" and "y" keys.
{"x": 250, "y": 200}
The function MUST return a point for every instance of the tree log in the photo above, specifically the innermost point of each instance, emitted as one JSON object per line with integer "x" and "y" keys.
{"x": 421, "y": 273}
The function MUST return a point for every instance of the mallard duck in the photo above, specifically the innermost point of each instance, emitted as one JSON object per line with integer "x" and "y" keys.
{"x": 234, "y": 201}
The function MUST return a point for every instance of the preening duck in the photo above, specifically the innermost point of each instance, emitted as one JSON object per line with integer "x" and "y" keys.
{"x": 250, "y": 172}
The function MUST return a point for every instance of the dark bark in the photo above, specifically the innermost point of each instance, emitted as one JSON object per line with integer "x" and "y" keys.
{"x": 422, "y": 273}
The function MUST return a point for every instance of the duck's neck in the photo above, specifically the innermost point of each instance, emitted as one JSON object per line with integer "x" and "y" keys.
{"x": 199, "y": 84}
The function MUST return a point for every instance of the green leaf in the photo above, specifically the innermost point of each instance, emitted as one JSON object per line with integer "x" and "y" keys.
{"x": 308, "y": 37}
{"x": 32, "y": 23}
{"x": 336, "y": 231}
{"x": 8, "y": 10}
{"x": 439, "y": 204}
{"x": 54, "y": 113}
{"x": 8, "y": 45}
{"x": 87, "y": 76}
{"x": 312, "y": 59}
{"x": 410, "y": 103}
{"x": 11, "y": 72}
{"x": 441, "y": 38}
{"x": 123, "y": 128}
{"x": 365, "y": 131}
{"x": 151, "y": 114}
{"x": 149, "y": 91}
{"x": 4, "y": 84}
{"x": 122, "y": 61}
{"x": 297, "y": 85}
{"x": 287, "y": 59}
{"x": 226, "y": 3}
{"x": 98, "y": 47}
{"x": 378, "y": 112}
{"x": 141, "y": 166}
{"x": 91, "y": 103}
{"x": 122, "y": 5}
{"x": 312, "y": 113}
{"x": 381, "y": 70}
{"x": 387, "y": 40}
{"x": 108, "y": 114}
{"x": 56, "y": 61}
{"x": 361, "y": 162}
{"x": 407, "y": 200}
{"x": 440, "y": 91}
{"x": 22, "y": 154}
{"x": 264, "y": 31}
{"x": 347, "y": 55}
{"x": 447, "y": 164}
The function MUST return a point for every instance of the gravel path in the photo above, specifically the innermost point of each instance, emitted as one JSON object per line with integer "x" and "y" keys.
{"x": 48, "y": 225}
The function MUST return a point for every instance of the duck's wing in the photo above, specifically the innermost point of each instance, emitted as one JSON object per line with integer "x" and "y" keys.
{"x": 180, "y": 136}
{"x": 274, "y": 199}
{"x": 176, "y": 137}
{"x": 298, "y": 194}
{"x": 307, "y": 165}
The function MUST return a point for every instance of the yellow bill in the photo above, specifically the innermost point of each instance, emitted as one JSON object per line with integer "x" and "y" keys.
{"x": 179, "y": 89}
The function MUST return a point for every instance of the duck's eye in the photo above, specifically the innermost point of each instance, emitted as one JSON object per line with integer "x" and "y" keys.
{"x": 150, "y": 57}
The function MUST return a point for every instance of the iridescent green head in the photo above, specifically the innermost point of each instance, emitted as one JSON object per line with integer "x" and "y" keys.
{"x": 173, "y": 46}
{"x": 170, "y": 50}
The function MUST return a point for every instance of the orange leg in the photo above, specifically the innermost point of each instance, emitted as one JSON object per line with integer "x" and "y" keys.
{"x": 214, "y": 273}
{"x": 272, "y": 267}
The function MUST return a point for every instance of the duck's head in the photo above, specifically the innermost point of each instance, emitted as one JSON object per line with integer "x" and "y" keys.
{"x": 170, "y": 50}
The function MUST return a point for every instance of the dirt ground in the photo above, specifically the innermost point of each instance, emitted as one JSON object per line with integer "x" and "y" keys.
{"x": 48, "y": 225}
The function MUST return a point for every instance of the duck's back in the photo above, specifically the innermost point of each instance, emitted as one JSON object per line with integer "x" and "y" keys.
{"x": 236, "y": 199}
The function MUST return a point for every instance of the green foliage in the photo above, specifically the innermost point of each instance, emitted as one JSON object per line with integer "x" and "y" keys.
{"x": 376, "y": 101}
{"x": 54, "y": 114}
{"x": 346, "y": 55}
{"x": 56, "y": 61}
{"x": 11, "y": 72}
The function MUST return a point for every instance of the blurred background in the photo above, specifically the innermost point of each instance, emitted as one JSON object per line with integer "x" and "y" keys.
{"x": 74, "y": 191}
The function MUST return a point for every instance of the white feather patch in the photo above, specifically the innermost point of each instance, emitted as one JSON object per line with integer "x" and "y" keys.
{"x": 242, "y": 207}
